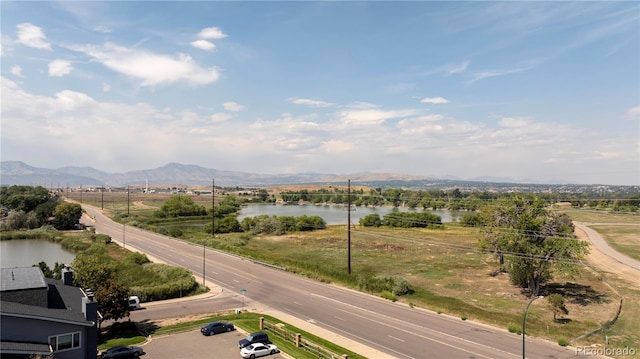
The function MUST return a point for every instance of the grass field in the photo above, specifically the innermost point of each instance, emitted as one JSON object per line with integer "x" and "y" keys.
{"x": 448, "y": 274}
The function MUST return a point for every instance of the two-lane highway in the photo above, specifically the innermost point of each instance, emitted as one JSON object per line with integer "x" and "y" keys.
{"x": 394, "y": 329}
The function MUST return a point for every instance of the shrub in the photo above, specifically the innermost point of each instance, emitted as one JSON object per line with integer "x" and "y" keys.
{"x": 563, "y": 342}
{"x": 514, "y": 328}
{"x": 175, "y": 232}
{"x": 389, "y": 296}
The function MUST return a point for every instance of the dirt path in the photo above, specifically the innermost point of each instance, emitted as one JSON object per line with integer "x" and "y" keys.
{"x": 605, "y": 259}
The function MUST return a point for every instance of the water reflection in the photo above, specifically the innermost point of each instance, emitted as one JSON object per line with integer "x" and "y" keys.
{"x": 27, "y": 252}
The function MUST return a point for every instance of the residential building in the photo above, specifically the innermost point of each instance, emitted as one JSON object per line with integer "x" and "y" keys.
{"x": 46, "y": 318}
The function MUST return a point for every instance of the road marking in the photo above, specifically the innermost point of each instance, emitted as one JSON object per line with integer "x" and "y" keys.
{"x": 411, "y": 333}
{"x": 344, "y": 320}
{"x": 398, "y": 339}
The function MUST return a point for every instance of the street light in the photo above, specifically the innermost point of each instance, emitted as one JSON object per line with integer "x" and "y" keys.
{"x": 524, "y": 319}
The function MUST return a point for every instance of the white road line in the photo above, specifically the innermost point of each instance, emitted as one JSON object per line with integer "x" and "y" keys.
{"x": 398, "y": 339}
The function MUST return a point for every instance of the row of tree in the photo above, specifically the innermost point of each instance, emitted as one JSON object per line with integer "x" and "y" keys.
{"x": 453, "y": 199}
{"x": 32, "y": 207}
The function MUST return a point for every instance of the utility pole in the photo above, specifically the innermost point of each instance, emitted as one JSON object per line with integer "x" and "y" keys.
{"x": 102, "y": 197}
{"x": 213, "y": 207}
{"x": 349, "y": 226}
{"x": 127, "y": 200}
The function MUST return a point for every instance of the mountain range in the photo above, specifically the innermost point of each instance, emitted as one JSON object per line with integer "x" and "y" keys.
{"x": 181, "y": 176}
{"x": 173, "y": 174}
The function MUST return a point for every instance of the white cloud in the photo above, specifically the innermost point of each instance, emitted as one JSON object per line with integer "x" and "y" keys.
{"x": 434, "y": 100}
{"x": 368, "y": 117}
{"x": 397, "y": 140}
{"x": 152, "y": 69}
{"x": 502, "y": 72}
{"x": 106, "y": 87}
{"x": 32, "y": 36}
{"x": 220, "y": 117}
{"x": 514, "y": 122}
{"x": 102, "y": 29}
{"x": 16, "y": 71}
{"x": 336, "y": 146}
{"x": 232, "y": 106}
{"x": 203, "y": 45}
{"x": 309, "y": 102}
{"x": 59, "y": 68}
{"x": 211, "y": 33}
{"x": 633, "y": 113}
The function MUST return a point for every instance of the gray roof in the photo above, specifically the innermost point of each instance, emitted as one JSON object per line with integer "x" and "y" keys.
{"x": 64, "y": 301}
{"x": 20, "y": 278}
{"x": 24, "y": 348}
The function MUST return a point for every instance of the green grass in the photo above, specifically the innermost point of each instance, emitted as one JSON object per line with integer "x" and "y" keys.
{"x": 624, "y": 239}
{"x": 120, "y": 333}
{"x": 443, "y": 266}
{"x": 249, "y": 322}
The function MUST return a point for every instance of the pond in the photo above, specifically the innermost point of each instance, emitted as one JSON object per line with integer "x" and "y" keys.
{"x": 27, "y": 252}
{"x": 335, "y": 214}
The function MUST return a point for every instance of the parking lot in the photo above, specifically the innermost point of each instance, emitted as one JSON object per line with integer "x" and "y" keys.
{"x": 192, "y": 344}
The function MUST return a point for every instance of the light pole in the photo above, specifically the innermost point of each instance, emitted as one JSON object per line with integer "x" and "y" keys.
{"x": 524, "y": 320}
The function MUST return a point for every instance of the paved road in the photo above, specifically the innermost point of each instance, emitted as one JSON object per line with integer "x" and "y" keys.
{"x": 366, "y": 324}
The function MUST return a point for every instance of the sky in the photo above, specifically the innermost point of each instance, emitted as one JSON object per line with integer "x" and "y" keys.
{"x": 544, "y": 92}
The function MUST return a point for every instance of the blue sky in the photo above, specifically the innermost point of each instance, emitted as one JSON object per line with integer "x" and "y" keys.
{"x": 529, "y": 91}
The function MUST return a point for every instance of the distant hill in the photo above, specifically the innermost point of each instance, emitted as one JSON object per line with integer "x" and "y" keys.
{"x": 181, "y": 175}
{"x": 175, "y": 174}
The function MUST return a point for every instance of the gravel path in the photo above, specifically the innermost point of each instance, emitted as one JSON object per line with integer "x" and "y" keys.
{"x": 607, "y": 259}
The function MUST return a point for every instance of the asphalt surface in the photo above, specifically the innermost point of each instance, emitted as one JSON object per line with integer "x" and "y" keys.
{"x": 193, "y": 345}
{"x": 368, "y": 325}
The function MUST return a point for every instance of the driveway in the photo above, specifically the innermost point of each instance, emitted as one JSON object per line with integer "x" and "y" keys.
{"x": 192, "y": 344}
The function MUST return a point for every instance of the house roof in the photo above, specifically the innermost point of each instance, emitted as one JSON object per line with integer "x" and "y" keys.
{"x": 20, "y": 278}
{"x": 7, "y": 347}
{"x": 64, "y": 301}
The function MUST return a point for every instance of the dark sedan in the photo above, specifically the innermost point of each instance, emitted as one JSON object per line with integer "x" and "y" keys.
{"x": 122, "y": 351}
{"x": 216, "y": 328}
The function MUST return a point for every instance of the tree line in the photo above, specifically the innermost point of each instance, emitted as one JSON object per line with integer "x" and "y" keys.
{"x": 33, "y": 207}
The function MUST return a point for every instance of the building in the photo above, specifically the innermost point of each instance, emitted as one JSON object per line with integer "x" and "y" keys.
{"x": 45, "y": 318}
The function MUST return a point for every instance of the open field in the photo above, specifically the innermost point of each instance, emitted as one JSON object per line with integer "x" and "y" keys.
{"x": 447, "y": 272}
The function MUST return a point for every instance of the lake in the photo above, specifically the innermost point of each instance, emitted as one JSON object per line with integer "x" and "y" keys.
{"x": 27, "y": 252}
{"x": 335, "y": 214}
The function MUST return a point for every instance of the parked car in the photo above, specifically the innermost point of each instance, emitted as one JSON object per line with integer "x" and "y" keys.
{"x": 216, "y": 328}
{"x": 257, "y": 337}
{"x": 255, "y": 350}
{"x": 134, "y": 302}
{"x": 122, "y": 351}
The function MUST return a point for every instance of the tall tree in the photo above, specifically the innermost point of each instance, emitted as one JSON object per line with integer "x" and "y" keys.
{"x": 532, "y": 239}
{"x": 67, "y": 215}
{"x": 113, "y": 300}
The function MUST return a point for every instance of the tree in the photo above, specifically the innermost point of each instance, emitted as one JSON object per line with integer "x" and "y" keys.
{"x": 113, "y": 299}
{"x": 371, "y": 220}
{"x": 179, "y": 206}
{"x": 67, "y": 215}
{"x": 92, "y": 268}
{"x": 556, "y": 303}
{"x": 532, "y": 239}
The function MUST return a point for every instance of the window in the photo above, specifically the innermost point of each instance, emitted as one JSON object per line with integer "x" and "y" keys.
{"x": 65, "y": 341}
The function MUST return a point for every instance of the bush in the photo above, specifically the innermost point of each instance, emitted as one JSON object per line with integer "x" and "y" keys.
{"x": 393, "y": 284}
{"x": 563, "y": 342}
{"x": 389, "y": 296}
{"x": 514, "y": 328}
{"x": 371, "y": 220}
